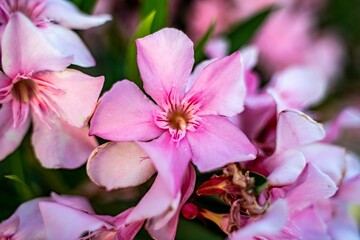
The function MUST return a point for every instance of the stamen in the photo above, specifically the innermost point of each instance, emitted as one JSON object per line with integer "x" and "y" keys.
{"x": 24, "y": 90}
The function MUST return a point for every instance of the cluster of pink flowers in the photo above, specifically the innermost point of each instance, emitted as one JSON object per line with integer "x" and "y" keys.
{"x": 215, "y": 117}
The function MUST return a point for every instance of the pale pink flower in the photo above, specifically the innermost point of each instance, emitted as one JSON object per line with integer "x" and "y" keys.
{"x": 54, "y": 19}
{"x": 185, "y": 125}
{"x": 64, "y": 217}
{"x": 36, "y": 84}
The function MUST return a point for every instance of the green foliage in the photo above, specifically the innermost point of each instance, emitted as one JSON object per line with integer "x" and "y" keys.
{"x": 143, "y": 29}
{"x": 200, "y": 46}
{"x": 260, "y": 182}
{"x": 85, "y": 5}
{"x": 242, "y": 33}
{"x": 161, "y": 9}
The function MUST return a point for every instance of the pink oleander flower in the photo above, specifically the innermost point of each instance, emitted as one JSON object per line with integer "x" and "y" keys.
{"x": 36, "y": 85}
{"x": 54, "y": 19}
{"x": 188, "y": 122}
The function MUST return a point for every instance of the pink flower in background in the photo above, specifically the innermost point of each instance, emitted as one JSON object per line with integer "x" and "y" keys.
{"x": 55, "y": 18}
{"x": 36, "y": 84}
{"x": 65, "y": 217}
{"x": 184, "y": 125}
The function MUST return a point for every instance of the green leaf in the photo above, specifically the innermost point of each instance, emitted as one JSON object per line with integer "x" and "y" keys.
{"x": 161, "y": 9}
{"x": 143, "y": 29}
{"x": 199, "y": 47}
{"x": 23, "y": 188}
{"x": 261, "y": 182}
{"x": 242, "y": 34}
{"x": 85, "y": 6}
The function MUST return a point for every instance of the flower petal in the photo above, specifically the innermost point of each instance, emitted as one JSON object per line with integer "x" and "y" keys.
{"x": 165, "y": 61}
{"x": 289, "y": 166}
{"x": 60, "y": 145}
{"x": 10, "y": 137}
{"x": 298, "y": 87}
{"x": 311, "y": 185}
{"x": 330, "y": 159}
{"x": 170, "y": 158}
{"x": 268, "y": 225}
{"x": 119, "y": 165}
{"x": 125, "y": 114}
{"x": 218, "y": 142}
{"x": 348, "y": 192}
{"x": 68, "y": 43}
{"x": 66, "y": 14}
{"x": 155, "y": 202}
{"x": 76, "y": 202}
{"x": 294, "y": 128}
{"x": 76, "y": 105}
{"x": 220, "y": 88}
{"x": 25, "y": 49}
{"x": 157, "y": 227}
{"x": 63, "y": 222}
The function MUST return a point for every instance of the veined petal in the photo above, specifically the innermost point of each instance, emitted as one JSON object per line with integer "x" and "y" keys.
{"x": 10, "y": 137}
{"x": 170, "y": 158}
{"x": 220, "y": 88}
{"x": 68, "y": 43}
{"x": 165, "y": 61}
{"x": 66, "y": 14}
{"x": 119, "y": 165}
{"x": 60, "y": 145}
{"x": 125, "y": 114}
{"x": 217, "y": 143}
{"x": 79, "y": 94}
{"x": 294, "y": 128}
{"x": 25, "y": 49}
{"x": 63, "y": 222}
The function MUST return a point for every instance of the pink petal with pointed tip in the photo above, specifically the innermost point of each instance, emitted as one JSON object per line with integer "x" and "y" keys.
{"x": 311, "y": 185}
{"x": 68, "y": 43}
{"x": 119, "y": 165}
{"x": 268, "y": 225}
{"x": 128, "y": 231}
{"x": 26, "y": 50}
{"x": 220, "y": 87}
{"x": 157, "y": 201}
{"x": 62, "y": 222}
{"x": 66, "y": 14}
{"x": 76, "y": 105}
{"x": 10, "y": 137}
{"x": 330, "y": 159}
{"x": 76, "y": 202}
{"x": 168, "y": 231}
{"x": 165, "y": 61}
{"x": 218, "y": 142}
{"x": 60, "y": 145}
{"x": 294, "y": 128}
{"x": 125, "y": 114}
{"x": 289, "y": 166}
{"x": 170, "y": 158}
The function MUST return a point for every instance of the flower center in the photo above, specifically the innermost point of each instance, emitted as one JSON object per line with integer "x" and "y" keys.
{"x": 24, "y": 90}
{"x": 178, "y": 119}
